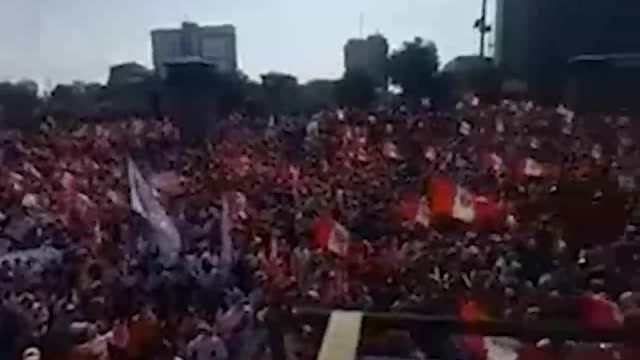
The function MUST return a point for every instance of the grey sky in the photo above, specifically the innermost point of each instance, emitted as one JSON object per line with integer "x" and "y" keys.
{"x": 63, "y": 40}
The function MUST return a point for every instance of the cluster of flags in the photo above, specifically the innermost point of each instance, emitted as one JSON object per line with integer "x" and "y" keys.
{"x": 331, "y": 235}
{"x": 594, "y": 310}
{"x": 160, "y": 230}
{"x": 445, "y": 201}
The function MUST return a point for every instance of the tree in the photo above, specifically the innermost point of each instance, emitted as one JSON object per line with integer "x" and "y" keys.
{"x": 355, "y": 89}
{"x": 319, "y": 95}
{"x": 69, "y": 103}
{"x": 413, "y": 68}
{"x": 231, "y": 91}
{"x": 282, "y": 92}
{"x": 255, "y": 102}
{"x": 19, "y": 103}
{"x": 132, "y": 89}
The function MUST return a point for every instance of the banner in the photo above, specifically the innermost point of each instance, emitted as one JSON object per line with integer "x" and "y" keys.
{"x": 162, "y": 231}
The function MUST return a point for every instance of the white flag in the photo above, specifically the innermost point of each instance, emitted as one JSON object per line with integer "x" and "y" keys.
{"x": 499, "y": 126}
{"x": 463, "y": 208}
{"x": 501, "y": 348}
{"x": 465, "y": 128}
{"x": 163, "y": 232}
{"x": 339, "y": 239}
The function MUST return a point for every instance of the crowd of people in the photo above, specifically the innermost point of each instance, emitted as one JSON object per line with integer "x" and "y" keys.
{"x": 120, "y": 242}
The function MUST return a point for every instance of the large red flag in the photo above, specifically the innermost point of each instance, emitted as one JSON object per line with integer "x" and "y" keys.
{"x": 449, "y": 200}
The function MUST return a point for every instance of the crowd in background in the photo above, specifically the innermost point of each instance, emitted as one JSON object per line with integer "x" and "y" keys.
{"x": 342, "y": 210}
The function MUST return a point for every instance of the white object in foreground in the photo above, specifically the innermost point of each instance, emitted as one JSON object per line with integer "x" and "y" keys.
{"x": 341, "y": 338}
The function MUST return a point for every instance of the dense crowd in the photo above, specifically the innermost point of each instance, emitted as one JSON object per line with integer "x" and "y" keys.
{"x": 121, "y": 242}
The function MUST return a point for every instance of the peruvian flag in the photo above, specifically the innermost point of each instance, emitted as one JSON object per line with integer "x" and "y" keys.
{"x": 330, "y": 235}
{"x": 486, "y": 347}
{"x": 454, "y": 201}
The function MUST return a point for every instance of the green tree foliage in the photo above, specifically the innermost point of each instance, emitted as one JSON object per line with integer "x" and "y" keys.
{"x": 319, "y": 95}
{"x": 132, "y": 89}
{"x": 19, "y": 104}
{"x": 355, "y": 89}
{"x": 232, "y": 90}
{"x": 413, "y": 68}
{"x": 282, "y": 93}
{"x": 254, "y": 99}
{"x": 71, "y": 102}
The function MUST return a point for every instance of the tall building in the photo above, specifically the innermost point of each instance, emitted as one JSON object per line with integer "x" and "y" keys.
{"x": 213, "y": 44}
{"x": 510, "y": 51}
{"x": 535, "y": 39}
{"x": 369, "y": 55}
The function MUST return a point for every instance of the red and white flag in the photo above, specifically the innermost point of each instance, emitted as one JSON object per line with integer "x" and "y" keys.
{"x": 450, "y": 200}
{"x": 486, "y": 347}
{"x": 330, "y": 235}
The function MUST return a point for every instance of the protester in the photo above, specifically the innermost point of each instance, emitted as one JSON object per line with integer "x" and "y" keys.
{"x": 166, "y": 250}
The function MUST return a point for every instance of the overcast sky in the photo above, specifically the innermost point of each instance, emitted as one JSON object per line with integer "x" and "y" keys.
{"x": 63, "y": 40}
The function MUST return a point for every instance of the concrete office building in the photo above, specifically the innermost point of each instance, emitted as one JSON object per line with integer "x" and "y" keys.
{"x": 369, "y": 55}
{"x": 535, "y": 39}
{"x": 510, "y": 37}
{"x": 212, "y": 44}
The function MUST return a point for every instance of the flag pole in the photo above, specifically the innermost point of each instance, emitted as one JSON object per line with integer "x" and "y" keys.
{"x": 482, "y": 27}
